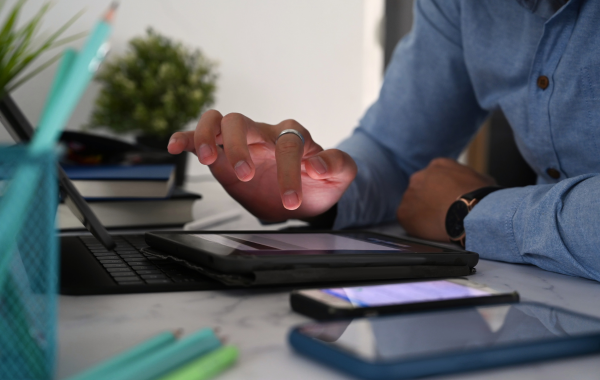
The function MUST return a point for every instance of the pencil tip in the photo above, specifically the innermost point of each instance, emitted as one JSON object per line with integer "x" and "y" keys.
{"x": 110, "y": 14}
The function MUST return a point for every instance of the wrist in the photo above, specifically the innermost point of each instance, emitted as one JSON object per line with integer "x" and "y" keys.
{"x": 458, "y": 211}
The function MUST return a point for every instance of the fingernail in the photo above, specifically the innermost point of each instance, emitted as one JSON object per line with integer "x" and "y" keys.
{"x": 205, "y": 151}
{"x": 172, "y": 140}
{"x": 242, "y": 170}
{"x": 290, "y": 200}
{"x": 318, "y": 164}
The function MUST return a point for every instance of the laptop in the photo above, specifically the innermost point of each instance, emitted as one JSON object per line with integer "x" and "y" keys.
{"x": 99, "y": 262}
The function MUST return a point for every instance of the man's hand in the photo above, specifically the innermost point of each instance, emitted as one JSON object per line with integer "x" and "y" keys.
{"x": 430, "y": 193}
{"x": 274, "y": 179}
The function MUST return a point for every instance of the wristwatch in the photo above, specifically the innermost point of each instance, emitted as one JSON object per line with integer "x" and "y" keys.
{"x": 459, "y": 210}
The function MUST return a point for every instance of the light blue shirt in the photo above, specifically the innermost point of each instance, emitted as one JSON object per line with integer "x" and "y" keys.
{"x": 463, "y": 59}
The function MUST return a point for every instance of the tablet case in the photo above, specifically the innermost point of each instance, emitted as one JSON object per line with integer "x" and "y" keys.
{"x": 322, "y": 275}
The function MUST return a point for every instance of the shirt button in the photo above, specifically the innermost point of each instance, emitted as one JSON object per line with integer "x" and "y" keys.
{"x": 553, "y": 173}
{"x": 543, "y": 82}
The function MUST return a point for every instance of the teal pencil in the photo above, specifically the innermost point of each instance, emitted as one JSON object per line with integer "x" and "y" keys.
{"x": 155, "y": 365}
{"x": 67, "y": 95}
{"x": 23, "y": 184}
{"x": 147, "y": 347}
{"x": 60, "y": 78}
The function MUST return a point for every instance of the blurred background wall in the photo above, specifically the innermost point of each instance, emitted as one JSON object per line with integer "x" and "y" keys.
{"x": 319, "y": 62}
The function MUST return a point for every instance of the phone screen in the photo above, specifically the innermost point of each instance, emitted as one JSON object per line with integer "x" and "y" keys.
{"x": 412, "y": 292}
{"x": 409, "y": 336}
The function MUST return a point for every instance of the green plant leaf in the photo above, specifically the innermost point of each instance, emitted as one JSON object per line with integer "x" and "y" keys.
{"x": 34, "y": 72}
{"x": 18, "y": 48}
{"x": 11, "y": 19}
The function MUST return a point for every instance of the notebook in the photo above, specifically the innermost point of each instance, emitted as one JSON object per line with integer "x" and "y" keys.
{"x": 122, "y": 181}
{"x": 174, "y": 211}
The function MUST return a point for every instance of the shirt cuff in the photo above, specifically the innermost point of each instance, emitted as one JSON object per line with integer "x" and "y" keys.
{"x": 489, "y": 226}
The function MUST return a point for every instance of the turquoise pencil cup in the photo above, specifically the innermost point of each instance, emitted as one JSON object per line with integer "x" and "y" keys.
{"x": 28, "y": 293}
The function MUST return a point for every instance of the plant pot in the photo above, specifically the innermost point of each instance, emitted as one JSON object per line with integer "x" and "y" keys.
{"x": 160, "y": 144}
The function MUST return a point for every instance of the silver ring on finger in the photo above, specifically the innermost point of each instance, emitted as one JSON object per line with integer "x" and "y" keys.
{"x": 292, "y": 131}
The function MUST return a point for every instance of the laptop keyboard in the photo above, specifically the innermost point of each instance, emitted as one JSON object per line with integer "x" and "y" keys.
{"x": 127, "y": 265}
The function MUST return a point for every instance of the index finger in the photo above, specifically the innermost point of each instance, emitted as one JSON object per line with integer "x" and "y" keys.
{"x": 289, "y": 150}
{"x": 205, "y": 135}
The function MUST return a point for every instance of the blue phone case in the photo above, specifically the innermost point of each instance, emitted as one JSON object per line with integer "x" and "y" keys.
{"x": 447, "y": 363}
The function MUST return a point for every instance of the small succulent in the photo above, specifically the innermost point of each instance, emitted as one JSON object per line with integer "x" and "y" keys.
{"x": 154, "y": 89}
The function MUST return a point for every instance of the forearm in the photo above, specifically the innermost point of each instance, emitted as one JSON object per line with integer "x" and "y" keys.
{"x": 426, "y": 109}
{"x": 550, "y": 226}
{"x": 376, "y": 191}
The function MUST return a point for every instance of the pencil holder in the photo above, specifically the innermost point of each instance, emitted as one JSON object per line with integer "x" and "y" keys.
{"x": 28, "y": 302}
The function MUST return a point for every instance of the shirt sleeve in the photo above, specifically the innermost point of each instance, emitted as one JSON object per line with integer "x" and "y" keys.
{"x": 554, "y": 227}
{"x": 426, "y": 109}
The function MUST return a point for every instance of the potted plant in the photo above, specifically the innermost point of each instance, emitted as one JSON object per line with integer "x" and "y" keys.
{"x": 153, "y": 90}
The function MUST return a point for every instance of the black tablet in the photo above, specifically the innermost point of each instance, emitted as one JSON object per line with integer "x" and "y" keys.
{"x": 249, "y": 251}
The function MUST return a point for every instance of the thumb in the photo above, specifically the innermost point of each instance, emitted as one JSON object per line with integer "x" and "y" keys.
{"x": 331, "y": 164}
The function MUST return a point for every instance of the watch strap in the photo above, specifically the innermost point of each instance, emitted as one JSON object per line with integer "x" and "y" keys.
{"x": 476, "y": 195}
{"x": 480, "y": 193}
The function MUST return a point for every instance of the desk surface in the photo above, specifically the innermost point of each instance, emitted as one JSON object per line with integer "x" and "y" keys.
{"x": 92, "y": 328}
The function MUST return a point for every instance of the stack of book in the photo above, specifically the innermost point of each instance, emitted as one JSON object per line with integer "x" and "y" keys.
{"x": 129, "y": 196}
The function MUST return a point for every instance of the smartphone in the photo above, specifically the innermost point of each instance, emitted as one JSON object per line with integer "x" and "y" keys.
{"x": 372, "y": 300}
{"x": 432, "y": 343}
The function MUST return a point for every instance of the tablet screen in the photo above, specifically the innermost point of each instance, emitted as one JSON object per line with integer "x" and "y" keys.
{"x": 273, "y": 243}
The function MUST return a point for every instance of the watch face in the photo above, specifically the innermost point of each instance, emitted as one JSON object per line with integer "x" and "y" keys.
{"x": 455, "y": 219}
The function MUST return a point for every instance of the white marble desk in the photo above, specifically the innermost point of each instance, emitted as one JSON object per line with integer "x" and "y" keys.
{"x": 92, "y": 328}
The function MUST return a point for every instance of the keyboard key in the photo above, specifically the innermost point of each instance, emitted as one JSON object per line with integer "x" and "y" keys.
{"x": 155, "y": 271}
{"x": 124, "y": 277}
{"x": 127, "y": 278}
{"x": 131, "y": 256}
{"x": 154, "y": 277}
{"x": 131, "y": 282}
{"x": 106, "y": 254}
{"x": 121, "y": 274}
{"x": 121, "y": 265}
{"x": 142, "y": 267}
{"x": 119, "y": 270}
{"x": 139, "y": 260}
{"x": 126, "y": 250}
{"x": 109, "y": 261}
{"x": 164, "y": 281}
